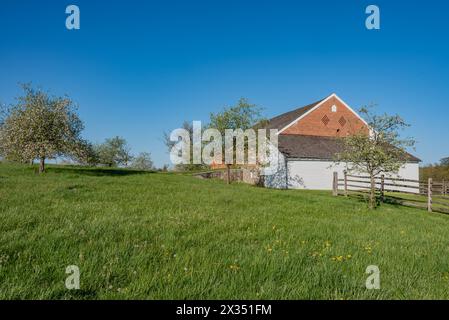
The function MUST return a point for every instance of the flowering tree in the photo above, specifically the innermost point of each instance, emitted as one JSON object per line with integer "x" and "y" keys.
{"x": 143, "y": 162}
{"x": 378, "y": 151}
{"x": 40, "y": 126}
{"x": 114, "y": 152}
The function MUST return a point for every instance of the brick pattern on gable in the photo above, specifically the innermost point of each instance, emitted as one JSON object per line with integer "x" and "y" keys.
{"x": 340, "y": 123}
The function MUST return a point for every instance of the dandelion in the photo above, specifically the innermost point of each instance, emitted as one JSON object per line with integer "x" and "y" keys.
{"x": 234, "y": 267}
{"x": 341, "y": 258}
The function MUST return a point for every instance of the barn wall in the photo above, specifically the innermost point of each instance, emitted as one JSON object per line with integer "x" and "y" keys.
{"x": 275, "y": 178}
{"x": 409, "y": 171}
{"x": 318, "y": 175}
{"x": 315, "y": 175}
{"x": 339, "y": 123}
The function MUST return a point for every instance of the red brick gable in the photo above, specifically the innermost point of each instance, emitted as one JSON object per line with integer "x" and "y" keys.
{"x": 322, "y": 121}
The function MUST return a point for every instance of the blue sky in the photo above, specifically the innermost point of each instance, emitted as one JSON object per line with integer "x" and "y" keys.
{"x": 138, "y": 68}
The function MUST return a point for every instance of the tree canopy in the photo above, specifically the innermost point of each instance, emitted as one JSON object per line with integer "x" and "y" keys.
{"x": 380, "y": 151}
{"x": 142, "y": 162}
{"x": 40, "y": 126}
{"x": 444, "y": 162}
{"x": 114, "y": 152}
{"x": 243, "y": 115}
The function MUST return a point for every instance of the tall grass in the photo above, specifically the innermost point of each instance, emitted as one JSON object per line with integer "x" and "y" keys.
{"x": 167, "y": 236}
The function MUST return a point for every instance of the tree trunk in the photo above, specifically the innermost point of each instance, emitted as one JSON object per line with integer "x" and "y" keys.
{"x": 372, "y": 196}
{"x": 31, "y": 162}
{"x": 42, "y": 165}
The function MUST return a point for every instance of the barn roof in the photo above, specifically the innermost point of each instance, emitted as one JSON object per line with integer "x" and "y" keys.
{"x": 314, "y": 147}
{"x": 284, "y": 119}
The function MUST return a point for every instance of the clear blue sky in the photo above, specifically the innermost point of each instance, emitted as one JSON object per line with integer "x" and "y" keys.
{"x": 137, "y": 68}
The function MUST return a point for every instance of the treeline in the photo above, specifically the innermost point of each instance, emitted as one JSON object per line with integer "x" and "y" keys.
{"x": 438, "y": 171}
{"x": 115, "y": 152}
{"x": 41, "y": 126}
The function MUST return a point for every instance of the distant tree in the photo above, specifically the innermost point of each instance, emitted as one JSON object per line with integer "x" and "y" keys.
{"x": 86, "y": 154}
{"x": 382, "y": 150}
{"x": 3, "y": 116}
{"x": 114, "y": 152}
{"x": 438, "y": 171}
{"x": 444, "y": 161}
{"x": 39, "y": 126}
{"x": 169, "y": 144}
{"x": 142, "y": 162}
{"x": 243, "y": 115}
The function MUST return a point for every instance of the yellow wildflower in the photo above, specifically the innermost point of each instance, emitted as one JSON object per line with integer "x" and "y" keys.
{"x": 234, "y": 267}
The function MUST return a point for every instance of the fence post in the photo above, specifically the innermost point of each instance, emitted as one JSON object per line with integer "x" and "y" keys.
{"x": 346, "y": 182}
{"x": 429, "y": 195}
{"x": 382, "y": 188}
{"x": 335, "y": 185}
{"x": 444, "y": 187}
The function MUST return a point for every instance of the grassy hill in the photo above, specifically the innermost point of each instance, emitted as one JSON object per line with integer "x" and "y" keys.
{"x": 170, "y": 236}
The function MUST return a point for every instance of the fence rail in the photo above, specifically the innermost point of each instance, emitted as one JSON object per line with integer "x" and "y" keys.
{"x": 431, "y": 195}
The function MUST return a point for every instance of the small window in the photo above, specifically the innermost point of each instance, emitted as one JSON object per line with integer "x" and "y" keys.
{"x": 342, "y": 121}
{"x": 334, "y": 108}
{"x": 325, "y": 120}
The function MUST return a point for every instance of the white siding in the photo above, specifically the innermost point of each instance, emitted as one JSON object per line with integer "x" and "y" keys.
{"x": 317, "y": 175}
{"x": 275, "y": 176}
{"x": 408, "y": 171}
{"x": 313, "y": 174}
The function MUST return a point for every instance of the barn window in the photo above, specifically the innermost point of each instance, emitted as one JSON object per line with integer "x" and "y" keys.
{"x": 334, "y": 108}
{"x": 342, "y": 121}
{"x": 325, "y": 120}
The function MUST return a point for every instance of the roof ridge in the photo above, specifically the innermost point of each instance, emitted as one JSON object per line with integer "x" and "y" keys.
{"x": 299, "y": 108}
{"x": 285, "y": 118}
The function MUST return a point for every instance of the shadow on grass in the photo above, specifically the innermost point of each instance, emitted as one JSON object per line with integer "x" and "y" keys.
{"x": 397, "y": 201}
{"x": 364, "y": 197}
{"x": 98, "y": 172}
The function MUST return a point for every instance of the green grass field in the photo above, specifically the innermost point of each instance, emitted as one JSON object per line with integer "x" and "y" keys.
{"x": 172, "y": 236}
